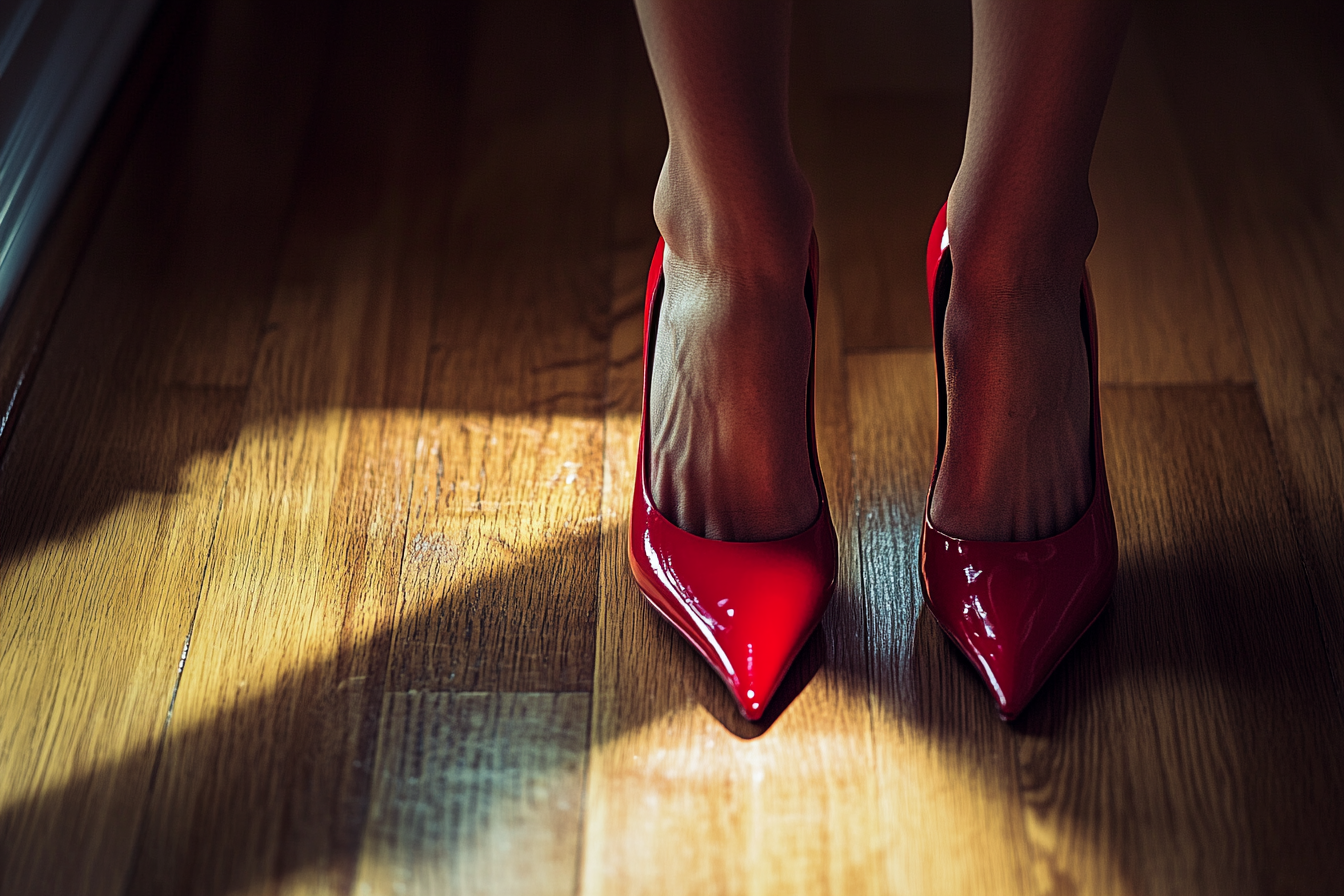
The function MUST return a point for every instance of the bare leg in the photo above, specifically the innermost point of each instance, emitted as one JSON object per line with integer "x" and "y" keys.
{"x": 728, "y": 416}
{"x": 1017, "y": 463}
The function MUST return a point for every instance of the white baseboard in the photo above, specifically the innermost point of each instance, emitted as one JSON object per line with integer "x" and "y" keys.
{"x": 60, "y": 60}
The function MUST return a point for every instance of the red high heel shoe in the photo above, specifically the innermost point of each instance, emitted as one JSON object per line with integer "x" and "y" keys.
{"x": 746, "y": 606}
{"x": 1015, "y": 608}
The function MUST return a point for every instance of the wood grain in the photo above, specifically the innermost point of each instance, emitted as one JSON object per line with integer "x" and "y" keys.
{"x": 1186, "y": 745}
{"x": 115, "y": 473}
{"x": 950, "y": 809}
{"x": 890, "y": 161}
{"x": 889, "y": 87}
{"x": 1254, "y": 101}
{"x": 502, "y": 574}
{"x": 844, "y": 632}
{"x": 476, "y": 793}
{"x": 1164, "y": 309}
{"x": 275, "y": 721}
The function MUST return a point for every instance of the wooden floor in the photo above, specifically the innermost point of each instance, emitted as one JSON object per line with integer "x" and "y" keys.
{"x": 320, "y": 406}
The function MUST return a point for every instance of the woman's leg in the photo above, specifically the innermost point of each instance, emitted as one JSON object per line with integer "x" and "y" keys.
{"x": 728, "y": 457}
{"x": 1017, "y": 464}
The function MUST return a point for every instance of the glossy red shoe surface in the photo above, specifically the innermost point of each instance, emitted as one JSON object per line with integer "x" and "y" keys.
{"x": 1015, "y": 608}
{"x": 746, "y": 606}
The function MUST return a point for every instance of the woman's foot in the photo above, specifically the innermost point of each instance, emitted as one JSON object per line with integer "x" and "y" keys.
{"x": 1017, "y": 464}
{"x": 729, "y": 456}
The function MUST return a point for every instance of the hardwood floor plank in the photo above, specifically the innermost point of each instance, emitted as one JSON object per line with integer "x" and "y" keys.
{"x": 683, "y": 795}
{"x": 1186, "y": 745}
{"x": 1263, "y": 123}
{"x": 333, "y": 439}
{"x": 844, "y": 633}
{"x": 112, "y": 482}
{"x": 1164, "y": 309}
{"x": 476, "y": 793}
{"x": 891, "y": 159}
{"x": 889, "y": 84}
{"x": 951, "y": 812}
{"x": 265, "y": 778}
{"x": 503, "y": 527}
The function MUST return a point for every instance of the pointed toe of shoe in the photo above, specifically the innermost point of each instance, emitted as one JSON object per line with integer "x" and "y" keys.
{"x": 746, "y": 607}
{"x": 1016, "y": 608}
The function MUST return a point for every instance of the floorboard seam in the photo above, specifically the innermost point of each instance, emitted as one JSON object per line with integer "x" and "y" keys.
{"x": 581, "y": 821}
{"x": 286, "y": 221}
{"x": 1304, "y": 561}
{"x": 1225, "y": 274}
{"x": 142, "y": 822}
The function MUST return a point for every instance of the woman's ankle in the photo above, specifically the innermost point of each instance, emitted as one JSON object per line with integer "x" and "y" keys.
{"x": 1019, "y": 242}
{"x": 756, "y": 227}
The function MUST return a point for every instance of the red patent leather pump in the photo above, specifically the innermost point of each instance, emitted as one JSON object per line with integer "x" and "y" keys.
{"x": 746, "y": 606}
{"x": 1015, "y": 608}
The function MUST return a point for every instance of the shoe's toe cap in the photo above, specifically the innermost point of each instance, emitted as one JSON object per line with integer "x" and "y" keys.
{"x": 747, "y": 607}
{"x": 1015, "y": 609}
